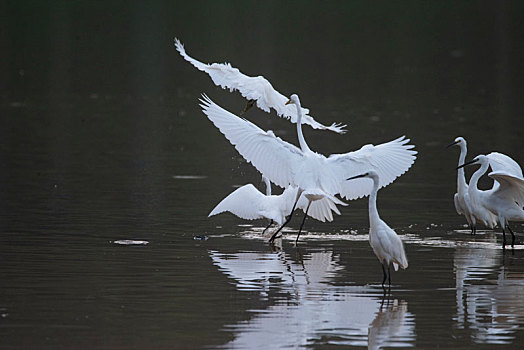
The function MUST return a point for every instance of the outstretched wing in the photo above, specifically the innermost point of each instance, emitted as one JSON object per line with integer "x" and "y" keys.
{"x": 389, "y": 160}
{"x": 272, "y": 156}
{"x": 244, "y": 202}
{"x": 510, "y": 187}
{"x": 257, "y": 88}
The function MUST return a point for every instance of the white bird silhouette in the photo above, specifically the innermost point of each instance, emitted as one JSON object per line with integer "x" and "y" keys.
{"x": 505, "y": 200}
{"x": 247, "y": 202}
{"x": 461, "y": 198}
{"x": 254, "y": 89}
{"x": 385, "y": 242}
{"x": 316, "y": 176}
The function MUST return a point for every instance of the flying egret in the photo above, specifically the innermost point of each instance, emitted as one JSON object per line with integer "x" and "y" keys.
{"x": 385, "y": 242}
{"x": 461, "y": 198}
{"x": 247, "y": 202}
{"x": 256, "y": 89}
{"x": 316, "y": 175}
{"x": 505, "y": 200}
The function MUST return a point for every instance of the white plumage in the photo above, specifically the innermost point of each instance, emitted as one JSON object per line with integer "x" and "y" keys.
{"x": 385, "y": 242}
{"x": 247, "y": 202}
{"x": 505, "y": 201}
{"x": 461, "y": 198}
{"x": 256, "y": 89}
{"x": 316, "y": 176}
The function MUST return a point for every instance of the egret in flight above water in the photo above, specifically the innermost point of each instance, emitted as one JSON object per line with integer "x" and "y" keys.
{"x": 247, "y": 202}
{"x": 385, "y": 242}
{"x": 505, "y": 200}
{"x": 316, "y": 175}
{"x": 256, "y": 89}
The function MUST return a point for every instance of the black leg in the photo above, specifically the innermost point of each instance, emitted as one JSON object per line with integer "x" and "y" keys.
{"x": 302, "y": 224}
{"x": 250, "y": 103}
{"x": 285, "y": 223}
{"x": 512, "y": 236}
{"x": 503, "y": 239}
{"x": 389, "y": 275}
{"x": 268, "y": 226}
{"x": 385, "y": 275}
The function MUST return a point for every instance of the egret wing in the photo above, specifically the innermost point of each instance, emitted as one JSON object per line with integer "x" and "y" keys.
{"x": 257, "y": 88}
{"x": 389, "y": 160}
{"x": 272, "y": 156}
{"x": 458, "y": 207}
{"x": 502, "y": 162}
{"x": 510, "y": 186}
{"x": 244, "y": 202}
{"x": 322, "y": 209}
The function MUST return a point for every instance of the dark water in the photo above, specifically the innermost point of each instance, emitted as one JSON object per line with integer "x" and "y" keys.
{"x": 102, "y": 141}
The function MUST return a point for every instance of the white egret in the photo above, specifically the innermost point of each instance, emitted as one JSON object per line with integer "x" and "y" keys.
{"x": 255, "y": 89}
{"x": 461, "y": 198}
{"x": 385, "y": 242}
{"x": 505, "y": 200}
{"x": 316, "y": 175}
{"x": 247, "y": 202}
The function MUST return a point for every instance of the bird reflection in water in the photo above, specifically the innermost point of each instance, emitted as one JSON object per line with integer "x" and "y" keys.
{"x": 304, "y": 306}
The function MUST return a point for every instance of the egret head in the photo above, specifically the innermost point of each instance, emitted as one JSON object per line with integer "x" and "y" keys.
{"x": 294, "y": 99}
{"x": 460, "y": 141}
{"x": 370, "y": 174}
{"x": 480, "y": 159}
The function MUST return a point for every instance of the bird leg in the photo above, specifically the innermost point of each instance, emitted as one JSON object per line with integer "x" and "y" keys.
{"x": 389, "y": 275}
{"x": 285, "y": 222}
{"x": 288, "y": 218}
{"x": 268, "y": 226}
{"x": 302, "y": 224}
{"x": 385, "y": 275}
{"x": 512, "y": 236}
{"x": 250, "y": 103}
{"x": 503, "y": 238}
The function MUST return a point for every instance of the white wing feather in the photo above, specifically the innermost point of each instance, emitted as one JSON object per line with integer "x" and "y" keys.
{"x": 502, "y": 162}
{"x": 510, "y": 187}
{"x": 255, "y": 88}
{"x": 278, "y": 160}
{"x": 242, "y": 202}
{"x": 458, "y": 207}
{"x": 389, "y": 160}
{"x": 269, "y": 154}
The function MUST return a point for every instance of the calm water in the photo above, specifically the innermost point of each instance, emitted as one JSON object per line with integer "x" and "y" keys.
{"x": 102, "y": 145}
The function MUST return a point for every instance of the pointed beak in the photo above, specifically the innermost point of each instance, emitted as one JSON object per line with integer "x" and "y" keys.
{"x": 468, "y": 163}
{"x": 288, "y": 102}
{"x": 356, "y": 177}
{"x": 452, "y": 144}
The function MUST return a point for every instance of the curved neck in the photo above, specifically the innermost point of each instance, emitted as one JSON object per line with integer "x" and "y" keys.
{"x": 373, "y": 212}
{"x": 477, "y": 174}
{"x": 303, "y": 145}
{"x": 268, "y": 185}
{"x": 461, "y": 177}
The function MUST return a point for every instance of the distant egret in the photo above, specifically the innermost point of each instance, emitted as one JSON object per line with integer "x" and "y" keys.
{"x": 505, "y": 200}
{"x": 256, "y": 89}
{"x": 247, "y": 202}
{"x": 385, "y": 242}
{"x": 315, "y": 175}
{"x": 461, "y": 198}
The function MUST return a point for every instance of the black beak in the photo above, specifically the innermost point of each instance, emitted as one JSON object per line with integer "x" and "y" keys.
{"x": 468, "y": 163}
{"x": 288, "y": 102}
{"x": 356, "y": 177}
{"x": 452, "y": 144}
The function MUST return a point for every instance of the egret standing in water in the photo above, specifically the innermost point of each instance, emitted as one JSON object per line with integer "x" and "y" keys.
{"x": 505, "y": 200}
{"x": 461, "y": 198}
{"x": 385, "y": 242}
{"x": 315, "y": 175}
